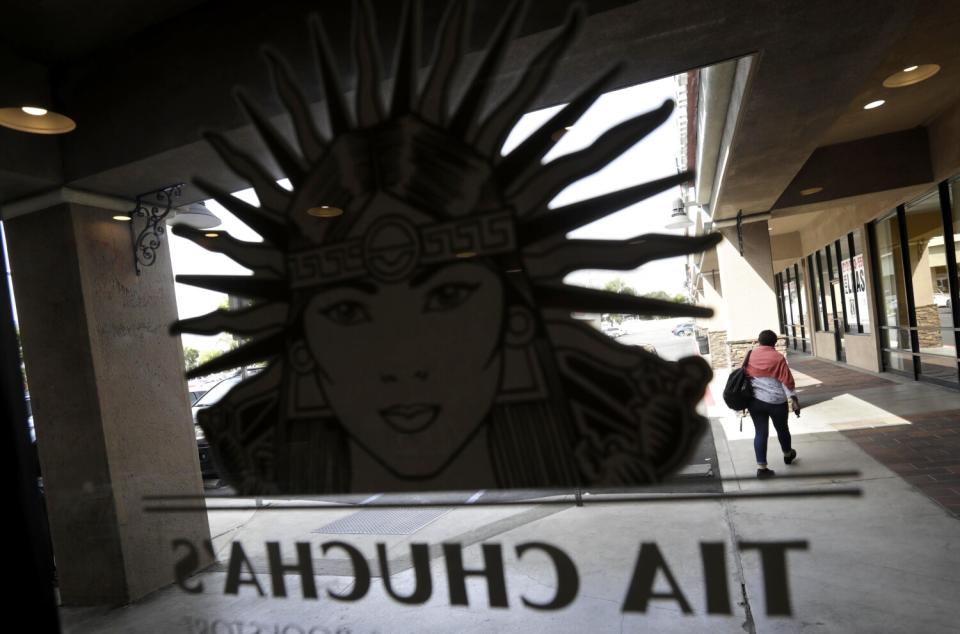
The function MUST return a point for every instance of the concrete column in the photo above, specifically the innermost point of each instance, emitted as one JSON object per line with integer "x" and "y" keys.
{"x": 749, "y": 298}
{"x": 109, "y": 399}
{"x": 717, "y": 325}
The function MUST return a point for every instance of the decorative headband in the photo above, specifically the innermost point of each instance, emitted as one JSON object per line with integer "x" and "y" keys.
{"x": 394, "y": 247}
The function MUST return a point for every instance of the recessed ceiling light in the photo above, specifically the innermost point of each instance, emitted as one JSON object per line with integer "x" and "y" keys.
{"x": 212, "y": 234}
{"x": 325, "y": 211}
{"x": 911, "y": 75}
{"x": 809, "y": 191}
{"x": 875, "y": 104}
{"x": 122, "y": 218}
{"x": 35, "y": 120}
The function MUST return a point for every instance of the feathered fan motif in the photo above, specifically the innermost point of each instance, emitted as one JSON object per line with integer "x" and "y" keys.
{"x": 445, "y": 162}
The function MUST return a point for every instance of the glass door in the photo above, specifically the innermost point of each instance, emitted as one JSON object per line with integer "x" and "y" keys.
{"x": 892, "y": 297}
{"x": 930, "y": 282}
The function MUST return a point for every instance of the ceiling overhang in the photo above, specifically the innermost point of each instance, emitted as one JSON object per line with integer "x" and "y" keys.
{"x": 141, "y": 101}
{"x": 884, "y": 162}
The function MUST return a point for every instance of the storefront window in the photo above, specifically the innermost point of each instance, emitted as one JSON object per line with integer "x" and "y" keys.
{"x": 781, "y": 284}
{"x": 815, "y": 287}
{"x": 793, "y": 294}
{"x": 846, "y": 314}
{"x": 823, "y": 274}
{"x": 893, "y": 316}
{"x": 785, "y": 305}
{"x": 834, "y": 301}
{"x": 953, "y": 195}
{"x": 791, "y": 305}
{"x": 931, "y": 288}
{"x": 858, "y": 281}
{"x": 801, "y": 302}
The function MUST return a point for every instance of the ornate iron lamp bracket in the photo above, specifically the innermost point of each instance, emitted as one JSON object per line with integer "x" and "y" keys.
{"x": 153, "y": 208}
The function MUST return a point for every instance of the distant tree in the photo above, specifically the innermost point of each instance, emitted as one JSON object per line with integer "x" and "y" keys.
{"x": 191, "y": 358}
{"x": 658, "y": 295}
{"x": 208, "y": 355}
{"x": 616, "y": 285}
{"x": 661, "y": 295}
{"x": 231, "y": 342}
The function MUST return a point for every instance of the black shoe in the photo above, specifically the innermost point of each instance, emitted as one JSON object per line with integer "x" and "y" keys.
{"x": 765, "y": 473}
{"x": 790, "y": 457}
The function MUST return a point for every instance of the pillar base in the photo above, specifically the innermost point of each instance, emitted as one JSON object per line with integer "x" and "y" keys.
{"x": 726, "y": 354}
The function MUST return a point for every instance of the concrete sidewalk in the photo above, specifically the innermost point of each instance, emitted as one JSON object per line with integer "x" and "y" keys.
{"x": 886, "y": 561}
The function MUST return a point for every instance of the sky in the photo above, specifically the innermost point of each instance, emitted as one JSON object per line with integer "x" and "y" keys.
{"x": 652, "y": 158}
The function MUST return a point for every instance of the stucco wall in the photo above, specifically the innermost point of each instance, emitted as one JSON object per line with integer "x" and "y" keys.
{"x": 713, "y": 298}
{"x": 823, "y": 346}
{"x": 944, "y": 149}
{"x": 747, "y": 281}
{"x": 862, "y": 351}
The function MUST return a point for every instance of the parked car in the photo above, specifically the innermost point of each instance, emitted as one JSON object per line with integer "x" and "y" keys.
{"x": 208, "y": 470}
{"x": 195, "y": 396}
{"x": 613, "y": 331}
{"x": 683, "y": 330}
{"x": 941, "y": 300}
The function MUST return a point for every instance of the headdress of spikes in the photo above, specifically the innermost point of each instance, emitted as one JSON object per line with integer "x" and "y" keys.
{"x": 524, "y": 185}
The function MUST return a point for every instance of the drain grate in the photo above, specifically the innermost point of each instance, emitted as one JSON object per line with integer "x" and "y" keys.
{"x": 383, "y": 522}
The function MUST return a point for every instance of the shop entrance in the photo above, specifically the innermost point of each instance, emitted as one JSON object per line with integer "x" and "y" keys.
{"x": 916, "y": 284}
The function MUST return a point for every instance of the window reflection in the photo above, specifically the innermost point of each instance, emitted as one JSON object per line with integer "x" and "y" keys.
{"x": 931, "y": 288}
{"x": 859, "y": 282}
{"x": 894, "y": 321}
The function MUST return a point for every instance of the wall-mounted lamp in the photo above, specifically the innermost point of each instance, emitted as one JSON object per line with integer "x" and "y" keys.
{"x": 195, "y": 215}
{"x": 678, "y": 217}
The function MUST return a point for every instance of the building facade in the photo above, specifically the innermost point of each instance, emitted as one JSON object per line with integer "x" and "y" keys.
{"x": 865, "y": 273}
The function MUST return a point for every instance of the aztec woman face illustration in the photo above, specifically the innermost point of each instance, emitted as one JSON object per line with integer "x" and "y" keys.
{"x": 432, "y": 338}
{"x": 424, "y": 337}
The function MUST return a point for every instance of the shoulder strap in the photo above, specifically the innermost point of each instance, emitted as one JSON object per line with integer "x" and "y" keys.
{"x": 746, "y": 359}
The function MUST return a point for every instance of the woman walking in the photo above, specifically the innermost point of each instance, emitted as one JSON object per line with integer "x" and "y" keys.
{"x": 773, "y": 385}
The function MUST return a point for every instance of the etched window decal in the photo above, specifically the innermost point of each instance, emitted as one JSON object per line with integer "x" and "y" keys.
{"x": 423, "y": 339}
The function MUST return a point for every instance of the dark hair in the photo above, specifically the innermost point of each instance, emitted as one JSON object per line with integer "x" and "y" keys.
{"x": 767, "y": 338}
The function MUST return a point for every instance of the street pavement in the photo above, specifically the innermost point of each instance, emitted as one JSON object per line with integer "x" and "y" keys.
{"x": 657, "y": 332}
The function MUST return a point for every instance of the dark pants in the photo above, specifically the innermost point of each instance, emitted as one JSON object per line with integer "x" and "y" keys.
{"x": 761, "y": 413}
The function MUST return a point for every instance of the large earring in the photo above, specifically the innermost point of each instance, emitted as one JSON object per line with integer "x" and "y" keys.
{"x": 304, "y": 396}
{"x": 522, "y": 378}
{"x": 300, "y": 358}
{"x": 521, "y": 327}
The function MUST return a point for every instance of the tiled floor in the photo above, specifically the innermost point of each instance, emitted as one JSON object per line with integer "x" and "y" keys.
{"x": 925, "y": 452}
